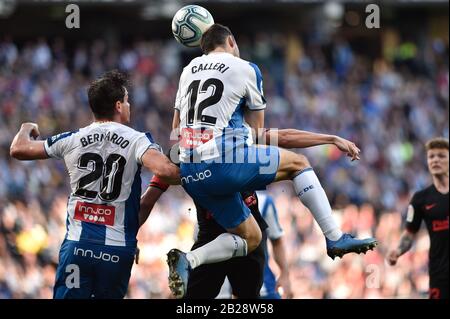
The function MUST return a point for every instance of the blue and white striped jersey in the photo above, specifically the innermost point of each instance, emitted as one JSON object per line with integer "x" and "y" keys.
{"x": 213, "y": 92}
{"x": 104, "y": 163}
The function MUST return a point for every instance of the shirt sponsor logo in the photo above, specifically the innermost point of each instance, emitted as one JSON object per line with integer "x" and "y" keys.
{"x": 95, "y": 213}
{"x": 192, "y": 138}
{"x": 439, "y": 225}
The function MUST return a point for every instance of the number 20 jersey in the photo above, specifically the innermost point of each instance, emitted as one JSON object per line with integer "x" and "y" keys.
{"x": 213, "y": 92}
{"x": 104, "y": 163}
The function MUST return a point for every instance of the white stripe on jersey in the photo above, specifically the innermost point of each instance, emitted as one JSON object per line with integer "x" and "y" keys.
{"x": 102, "y": 160}
{"x": 73, "y": 226}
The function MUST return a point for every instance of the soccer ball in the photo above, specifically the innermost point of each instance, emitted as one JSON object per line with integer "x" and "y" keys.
{"x": 189, "y": 23}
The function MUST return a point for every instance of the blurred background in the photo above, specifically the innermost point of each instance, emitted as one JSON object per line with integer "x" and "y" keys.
{"x": 384, "y": 88}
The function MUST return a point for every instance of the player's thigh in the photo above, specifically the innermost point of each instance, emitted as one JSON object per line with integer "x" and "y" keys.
{"x": 290, "y": 164}
{"x": 74, "y": 274}
{"x": 112, "y": 272}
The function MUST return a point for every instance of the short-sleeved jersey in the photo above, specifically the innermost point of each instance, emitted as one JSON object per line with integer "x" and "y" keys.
{"x": 432, "y": 207}
{"x": 213, "y": 92}
{"x": 104, "y": 163}
{"x": 274, "y": 231}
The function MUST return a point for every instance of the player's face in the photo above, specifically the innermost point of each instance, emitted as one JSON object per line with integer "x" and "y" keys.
{"x": 437, "y": 159}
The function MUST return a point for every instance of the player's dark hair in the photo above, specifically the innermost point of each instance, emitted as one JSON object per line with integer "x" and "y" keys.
{"x": 214, "y": 37}
{"x": 104, "y": 92}
{"x": 437, "y": 142}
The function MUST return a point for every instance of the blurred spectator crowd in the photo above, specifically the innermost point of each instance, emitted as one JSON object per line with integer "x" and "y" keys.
{"x": 389, "y": 106}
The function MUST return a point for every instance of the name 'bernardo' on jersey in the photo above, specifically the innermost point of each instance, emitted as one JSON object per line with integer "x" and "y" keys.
{"x": 220, "y": 67}
{"x": 113, "y": 138}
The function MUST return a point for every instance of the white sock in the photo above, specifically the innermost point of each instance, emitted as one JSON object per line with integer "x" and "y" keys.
{"x": 224, "y": 247}
{"x": 312, "y": 195}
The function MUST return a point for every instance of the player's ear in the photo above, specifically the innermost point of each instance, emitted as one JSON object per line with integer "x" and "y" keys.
{"x": 230, "y": 41}
{"x": 118, "y": 107}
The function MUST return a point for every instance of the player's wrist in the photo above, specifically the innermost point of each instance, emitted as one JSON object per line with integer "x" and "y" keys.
{"x": 158, "y": 183}
{"x": 333, "y": 139}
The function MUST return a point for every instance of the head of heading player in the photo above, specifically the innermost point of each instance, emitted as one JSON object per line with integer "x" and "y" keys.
{"x": 218, "y": 38}
{"x": 438, "y": 157}
{"x": 108, "y": 98}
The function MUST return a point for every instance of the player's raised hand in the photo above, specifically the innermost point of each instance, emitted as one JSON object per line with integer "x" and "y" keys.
{"x": 347, "y": 147}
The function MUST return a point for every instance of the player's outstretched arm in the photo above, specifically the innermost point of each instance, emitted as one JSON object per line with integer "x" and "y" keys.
{"x": 405, "y": 244}
{"x": 292, "y": 138}
{"x": 24, "y": 148}
{"x": 161, "y": 166}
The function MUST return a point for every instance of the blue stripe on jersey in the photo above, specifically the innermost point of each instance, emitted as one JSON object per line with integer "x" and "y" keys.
{"x": 258, "y": 76}
{"x": 132, "y": 205}
{"x": 67, "y": 224}
{"x": 237, "y": 118}
{"x": 270, "y": 282}
{"x": 150, "y": 138}
{"x": 93, "y": 232}
{"x": 52, "y": 140}
{"x": 236, "y": 122}
{"x": 269, "y": 277}
{"x": 67, "y": 216}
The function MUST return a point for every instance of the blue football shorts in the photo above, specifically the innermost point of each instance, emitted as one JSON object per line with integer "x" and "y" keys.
{"x": 88, "y": 270}
{"x": 216, "y": 185}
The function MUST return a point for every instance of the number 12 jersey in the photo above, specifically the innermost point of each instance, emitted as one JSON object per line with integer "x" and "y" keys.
{"x": 213, "y": 92}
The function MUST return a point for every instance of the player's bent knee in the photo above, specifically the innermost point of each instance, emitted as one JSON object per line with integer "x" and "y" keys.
{"x": 299, "y": 163}
{"x": 290, "y": 164}
{"x": 250, "y": 231}
{"x": 302, "y": 162}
